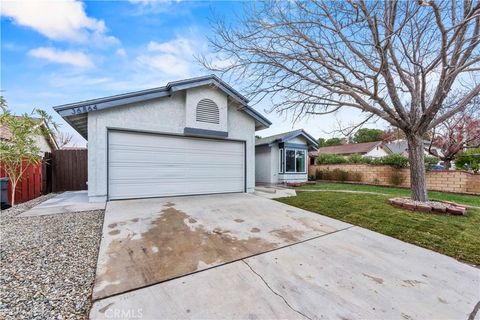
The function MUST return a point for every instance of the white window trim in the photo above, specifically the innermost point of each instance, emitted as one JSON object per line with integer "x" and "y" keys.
{"x": 295, "y": 163}
{"x": 281, "y": 162}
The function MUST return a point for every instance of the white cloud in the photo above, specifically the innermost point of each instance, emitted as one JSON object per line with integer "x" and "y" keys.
{"x": 58, "y": 20}
{"x": 178, "y": 46}
{"x": 121, "y": 52}
{"x": 167, "y": 64}
{"x": 143, "y": 2}
{"x": 172, "y": 58}
{"x": 74, "y": 58}
{"x": 152, "y": 3}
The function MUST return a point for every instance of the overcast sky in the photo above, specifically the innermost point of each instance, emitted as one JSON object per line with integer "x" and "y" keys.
{"x": 61, "y": 52}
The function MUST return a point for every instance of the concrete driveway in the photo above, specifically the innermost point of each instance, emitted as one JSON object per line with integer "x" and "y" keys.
{"x": 65, "y": 202}
{"x": 241, "y": 256}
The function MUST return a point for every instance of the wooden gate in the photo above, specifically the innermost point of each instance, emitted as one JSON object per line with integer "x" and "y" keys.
{"x": 69, "y": 170}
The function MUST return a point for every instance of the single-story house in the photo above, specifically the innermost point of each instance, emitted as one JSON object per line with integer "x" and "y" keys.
{"x": 400, "y": 146}
{"x": 282, "y": 158}
{"x": 374, "y": 149}
{"x": 194, "y": 136}
{"x": 32, "y": 183}
{"x": 44, "y": 142}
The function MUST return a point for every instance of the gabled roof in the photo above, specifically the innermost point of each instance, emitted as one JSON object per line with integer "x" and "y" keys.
{"x": 398, "y": 146}
{"x": 285, "y": 137}
{"x": 5, "y": 133}
{"x": 76, "y": 113}
{"x": 351, "y": 148}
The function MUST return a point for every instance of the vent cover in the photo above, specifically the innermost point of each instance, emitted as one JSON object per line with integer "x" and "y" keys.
{"x": 207, "y": 111}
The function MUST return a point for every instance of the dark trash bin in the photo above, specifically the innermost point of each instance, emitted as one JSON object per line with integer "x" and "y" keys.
{"x": 4, "y": 193}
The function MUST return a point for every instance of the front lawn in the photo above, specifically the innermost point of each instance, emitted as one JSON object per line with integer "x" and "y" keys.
{"x": 456, "y": 236}
{"x": 395, "y": 192}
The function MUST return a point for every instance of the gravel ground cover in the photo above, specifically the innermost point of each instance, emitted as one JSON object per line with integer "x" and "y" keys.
{"x": 16, "y": 210}
{"x": 48, "y": 264}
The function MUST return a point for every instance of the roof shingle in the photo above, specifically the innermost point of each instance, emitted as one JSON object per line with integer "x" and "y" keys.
{"x": 351, "y": 148}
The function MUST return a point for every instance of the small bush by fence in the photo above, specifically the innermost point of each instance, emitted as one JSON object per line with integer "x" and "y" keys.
{"x": 448, "y": 181}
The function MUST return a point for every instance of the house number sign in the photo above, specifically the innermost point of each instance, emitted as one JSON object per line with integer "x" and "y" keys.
{"x": 84, "y": 109}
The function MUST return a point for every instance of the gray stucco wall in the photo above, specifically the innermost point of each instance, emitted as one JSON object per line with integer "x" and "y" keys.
{"x": 267, "y": 165}
{"x": 262, "y": 165}
{"x": 164, "y": 115}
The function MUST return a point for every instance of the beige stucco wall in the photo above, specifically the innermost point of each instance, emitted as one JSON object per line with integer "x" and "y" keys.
{"x": 448, "y": 181}
{"x": 42, "y": 143}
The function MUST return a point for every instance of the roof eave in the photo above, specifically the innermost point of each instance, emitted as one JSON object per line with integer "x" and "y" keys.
{"x": 310, "y": 140}
{"x": 81, "y": 109}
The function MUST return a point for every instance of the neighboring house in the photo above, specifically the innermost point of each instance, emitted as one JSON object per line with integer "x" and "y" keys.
{"x": 283, "y": 157}
{"x": 194, "y": 136}
{"x": 400, "y": 146}
{"x": 32, "y": 183}
{"x": 44, "y": 143}
{"x": 374, "y": 149}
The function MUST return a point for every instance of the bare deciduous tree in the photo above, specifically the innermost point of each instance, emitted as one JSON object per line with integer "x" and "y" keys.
{"x": 393, "y": 60}
{"x": 63, "y": 138}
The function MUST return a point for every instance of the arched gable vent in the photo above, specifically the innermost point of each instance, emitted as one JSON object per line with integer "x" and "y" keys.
{"x": 207, "y": 111}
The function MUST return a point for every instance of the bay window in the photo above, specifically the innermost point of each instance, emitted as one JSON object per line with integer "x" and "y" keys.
{"x": 295, "y": 161}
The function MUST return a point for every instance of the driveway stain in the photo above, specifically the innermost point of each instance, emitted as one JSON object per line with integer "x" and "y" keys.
{"x": 255, "y": 230}
{"x": 168, "y": 249}
{"x": 114, "y": 232}
{"x": 288, "y": 234}
{"x": 376, "y": 279}
{"x": 239, "y": 220}
{"x": 442, "y": 300}
{"x": 312, "y": 224}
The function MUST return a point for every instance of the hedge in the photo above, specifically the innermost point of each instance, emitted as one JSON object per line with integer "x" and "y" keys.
{"x": 395, "y": 160}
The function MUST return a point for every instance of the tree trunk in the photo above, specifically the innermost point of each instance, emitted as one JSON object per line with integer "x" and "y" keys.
{"x": 14, "y": 186}
{"x": 418, "y": 182}
{"x": 447, "y": 164}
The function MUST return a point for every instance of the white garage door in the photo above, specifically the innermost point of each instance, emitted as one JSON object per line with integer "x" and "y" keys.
{"x": 142, "y": 165}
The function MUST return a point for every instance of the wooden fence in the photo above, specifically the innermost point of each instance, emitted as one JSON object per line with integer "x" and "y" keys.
{"x": 60, "y": 170}
{"x": 69, "y": 170}
{"x": 29, "y": 187}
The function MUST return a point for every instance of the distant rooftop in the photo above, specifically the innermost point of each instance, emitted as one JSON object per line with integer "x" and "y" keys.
{"x": 283, "y": 137}
{"x": 350, "y": 148}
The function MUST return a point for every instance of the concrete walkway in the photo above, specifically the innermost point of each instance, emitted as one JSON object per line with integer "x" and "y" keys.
{"x": 69, "y": 201}
{"x": 337, "y": 271}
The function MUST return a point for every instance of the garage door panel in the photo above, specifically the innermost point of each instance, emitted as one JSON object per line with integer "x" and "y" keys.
{"x": 169, "y": 174}
{"x": 125, "y": 191}
{"x": 148, "y": 165}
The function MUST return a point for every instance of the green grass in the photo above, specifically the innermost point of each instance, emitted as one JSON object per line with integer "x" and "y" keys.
{"x": 433, "y": 195}
{"x": 456, "y": 236}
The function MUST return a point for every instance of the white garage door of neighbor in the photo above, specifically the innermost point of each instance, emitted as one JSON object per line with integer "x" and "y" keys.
{"x": 142, "y": 165}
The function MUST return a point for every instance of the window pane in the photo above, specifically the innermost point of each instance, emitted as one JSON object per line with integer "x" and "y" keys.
{"x": 300, "y": 161}
{"x": 290, "y": 161}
